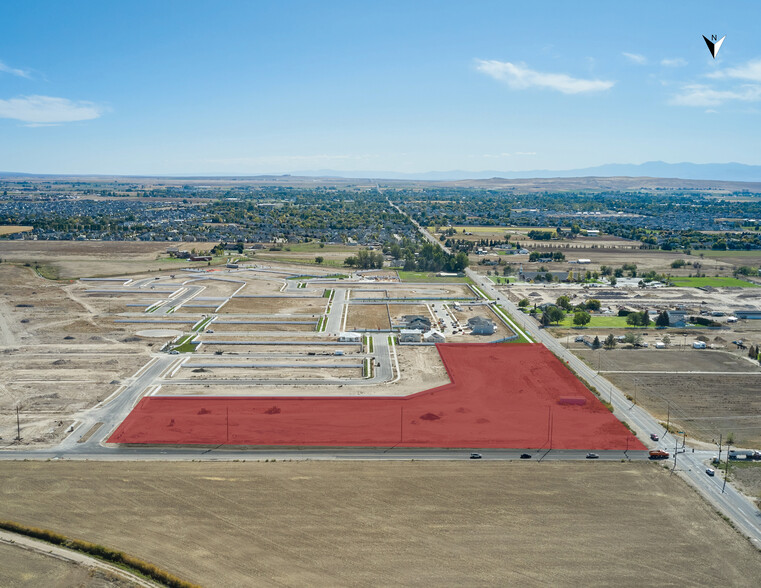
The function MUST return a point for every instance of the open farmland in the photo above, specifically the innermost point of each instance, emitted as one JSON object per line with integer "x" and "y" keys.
{"x": 413, "y": 524}
{"x": 22, "y": 567}
{"x": 707, "y": 393}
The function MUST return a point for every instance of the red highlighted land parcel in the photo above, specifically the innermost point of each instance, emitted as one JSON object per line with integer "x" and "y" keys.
{"x": 501, "y": 396}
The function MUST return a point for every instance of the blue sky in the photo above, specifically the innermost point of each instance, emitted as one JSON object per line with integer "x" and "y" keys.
{"x": 190, "y": 87}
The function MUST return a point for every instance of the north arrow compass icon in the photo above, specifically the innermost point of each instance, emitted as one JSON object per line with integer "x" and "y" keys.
{"x": 714, "y": 45}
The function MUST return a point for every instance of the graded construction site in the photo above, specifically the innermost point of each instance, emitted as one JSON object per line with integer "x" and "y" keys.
{"x": 501, "y": 396}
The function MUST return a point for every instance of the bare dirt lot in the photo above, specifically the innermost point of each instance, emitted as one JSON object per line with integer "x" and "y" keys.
{"x": 412, "y": 524}
{"x": 58, "y": 354}
{"x": 267, "y": 306}
{"x": 421, "y": 369}
{"x": 368, "y": 316}
{"x": 438, "y": 290}
{"x": 285, "y": 374}
{"x": 705, "y": 405}
{"x": 261, "y": 329}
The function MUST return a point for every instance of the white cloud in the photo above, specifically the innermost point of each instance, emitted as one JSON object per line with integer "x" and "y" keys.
{"x": 635, "y": 58}
{"x": 675, "y": 62}
{"x": 750, "y": 71}
{"x": 22, "y": 73}
{"x": 45, "y": 110}
{"x": 701, "y": 95}
{"x": 519, "y": 77}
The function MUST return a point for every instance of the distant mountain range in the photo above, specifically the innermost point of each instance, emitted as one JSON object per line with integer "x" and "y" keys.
{"x": 725, "y": 172}
{"x": 737, "y": 172}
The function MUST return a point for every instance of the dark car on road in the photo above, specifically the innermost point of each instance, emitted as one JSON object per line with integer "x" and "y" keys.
{"x": 475, "y": 456}
{"x": 592, "y": 456}
{"x": 525, "y": 456}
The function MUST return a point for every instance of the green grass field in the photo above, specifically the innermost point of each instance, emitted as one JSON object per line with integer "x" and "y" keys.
{"x": 715, "y": 282}
{"x": 313, "y": 247}
{"x": 613, "y": 322}
{"x": 430, "y": 277}
{"x": 502, "y": 280}
{"x": 277, "y": 256}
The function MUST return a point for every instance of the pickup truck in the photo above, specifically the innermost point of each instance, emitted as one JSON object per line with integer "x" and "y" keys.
{"x": 659, "y": 454}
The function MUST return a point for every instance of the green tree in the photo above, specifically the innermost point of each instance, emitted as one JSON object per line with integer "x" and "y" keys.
{"x": 581, "y": 318}
{"x": 319, "y": 259}
{"x": 564, "y": 302}
{"x": 610, "y": 341}
{"x": 662, "y": 320}
{"x": 593, "y": 304}
{"x": 555, "y": 314}
{"x": 524, "y": 302}
{"x": 596, "y": 343}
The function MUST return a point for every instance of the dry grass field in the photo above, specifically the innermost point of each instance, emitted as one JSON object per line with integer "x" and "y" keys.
{"x": 21, "y": 568}
{"x": 395, "y": 523}
{"x": 367, "y": 316}
{"x": 704, "y": 405}
{"x": 11, "y": 229}
{"x": 76, "y": 259}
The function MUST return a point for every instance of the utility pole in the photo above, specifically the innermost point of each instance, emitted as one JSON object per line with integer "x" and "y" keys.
{"x": 18, "y": 424}
{"x": 726, "y": 470}
{"x": 676, "y": 450}
{"x": 719, "y": 447}
{"x": 668, "y": 415}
